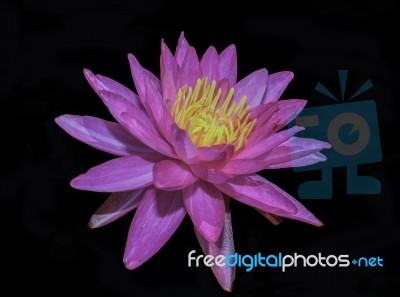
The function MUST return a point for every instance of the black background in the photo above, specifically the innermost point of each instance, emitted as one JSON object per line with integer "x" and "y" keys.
{"x": 45, "y": 242}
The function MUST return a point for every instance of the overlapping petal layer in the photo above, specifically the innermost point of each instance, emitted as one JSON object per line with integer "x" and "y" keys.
{"x": 165, "y": 171}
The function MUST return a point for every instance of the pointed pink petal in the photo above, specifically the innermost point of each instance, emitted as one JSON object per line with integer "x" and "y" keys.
{"x": 288, "y": 110}
{"x": 277, "y": 83}
{"x": 291, "y": 106}
{"x": 117, "y": 205}
{"x": 152, "y": 100}
{"x": 205, "y": 206}
{"x": 158, "y": 216}
{"x": 137, "y": 123}
{"x": 300, "y": 162}
{"x": 211, "y": 175}
{"x": 252, "y": 86}
{"x": 302, "y": 213}
{"x": 183, "y": 145}
{"x": 110, "y": 132}
{"x": 104, "y": 86}
{"x": 190, "y": 70}
{"x": 117, "y": 175}
{"x": 209, "y": 64}
{"x": 293, "y": 149}
{"x": 267, "y": 144}
{"x": 224, "y": 246}
{"x": 101, "y": 83}
{"x": 228, "y": 64}
{"x": 103, "y": 135}
{"x": 169, "y": 69}
{"x": 259, "y": 193}
{"x": 154, "y": 104}
{"x": 181, "y": 49}
{"x": 172, "y": 175}
{"x": 139, "y": 73}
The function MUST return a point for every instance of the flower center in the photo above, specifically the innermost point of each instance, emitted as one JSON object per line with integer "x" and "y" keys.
{"x": 210, "y": 119}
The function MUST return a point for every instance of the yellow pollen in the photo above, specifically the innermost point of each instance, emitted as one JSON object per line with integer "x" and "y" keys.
{"x": 211, "y": 120}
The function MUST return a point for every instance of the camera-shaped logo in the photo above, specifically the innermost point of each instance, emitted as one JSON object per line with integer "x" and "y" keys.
{"x": 353, "y": 131}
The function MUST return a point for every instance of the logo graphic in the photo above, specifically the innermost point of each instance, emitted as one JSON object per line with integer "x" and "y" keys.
{"x": 280, "y": 260}
{"x": 352, "y": 130}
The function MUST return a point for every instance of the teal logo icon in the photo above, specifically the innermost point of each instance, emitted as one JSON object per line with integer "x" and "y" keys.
{"x": 351, "y": 127}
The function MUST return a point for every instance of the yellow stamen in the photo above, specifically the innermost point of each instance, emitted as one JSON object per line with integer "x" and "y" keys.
{"x": 195, "y": 110}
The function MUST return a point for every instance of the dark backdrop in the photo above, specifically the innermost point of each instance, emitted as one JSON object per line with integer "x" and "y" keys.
{"x": 45, "y": 242}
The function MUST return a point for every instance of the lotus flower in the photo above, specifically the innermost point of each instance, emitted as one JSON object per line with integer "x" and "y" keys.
{"x": 187, "y": 143}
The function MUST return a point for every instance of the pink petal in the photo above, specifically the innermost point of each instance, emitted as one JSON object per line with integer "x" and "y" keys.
{"x": 228, "y": 64}
{"x": 104, "y": 86}
{"x": 209, "y": 64}
{"x": 101, "y": 83}
{"x": 265, "y": 124}
{"x": 263, "y": 112}
{"x": 158, "y": 216}
{"x": 139, "y": 73}
{"x": 267, "y": 144}
{"x": 183, "y": 145}
{"x": 205, "y": 206}
{"x": 271, "y": 117}
{"x": 137, "y": 123}
{"x": 216, "y": 154}
{"x": 289, "y": 151}
{"x": 242, "y": 166}
{"x": 117, "y": 205}
{"x": 181, "y": 49}
{"x": 288, "y": 110}
{"x": 152, "y": 100}
{"x": 277, "y": 83}
{"x": 154, "y": 104}
{"x": 291, "y": 106}
{"x": 169, "y": 69}
{"x": 252, "y": 86}
{"x": 117, "y": 175}
{"x": 302, "y": 214}
{"x": 293, "y": 149}
{"x": 259, "y": 193}
{"x": 103, "y": 135}
{"x": 300, "y": 162}
{"x": 190, "y": 70}
{"x": 224, "y": 246}
{"x": 172, "y": 175}
{"x": 211, "y": 175}
{"x": 137, "y": 126}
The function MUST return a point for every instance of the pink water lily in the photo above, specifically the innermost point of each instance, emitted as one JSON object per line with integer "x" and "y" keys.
{"x": 187, "y": 143}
